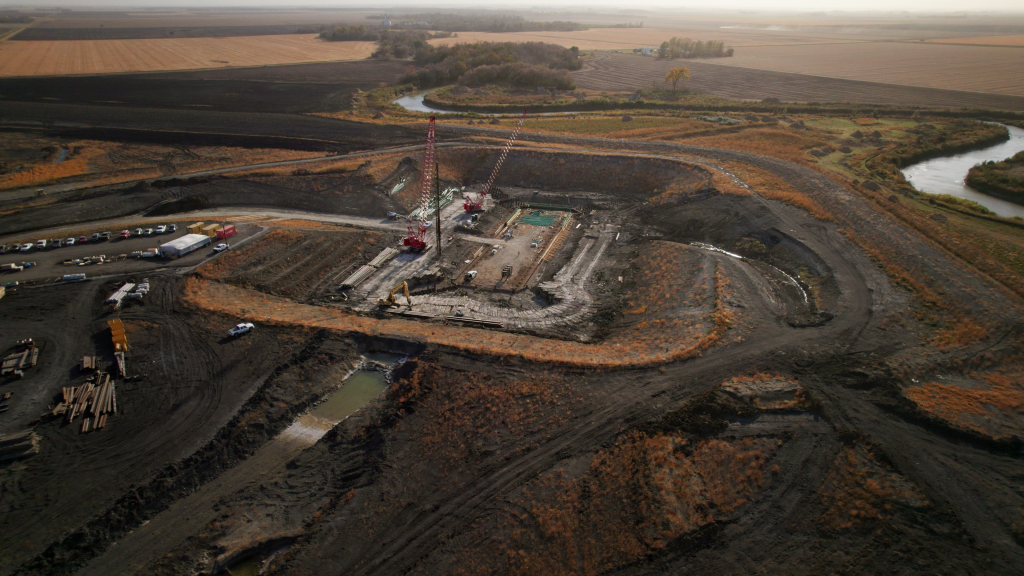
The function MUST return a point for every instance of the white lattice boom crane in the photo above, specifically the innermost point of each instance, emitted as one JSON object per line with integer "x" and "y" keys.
{"x": 470, "y": 205}
{"x": 417, "y": 238}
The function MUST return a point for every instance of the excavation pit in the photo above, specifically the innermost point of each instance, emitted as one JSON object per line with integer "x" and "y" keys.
{"x": 531, "y": 236}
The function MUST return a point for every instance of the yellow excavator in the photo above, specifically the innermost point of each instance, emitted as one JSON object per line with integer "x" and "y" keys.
{"x": 390, "y": 300}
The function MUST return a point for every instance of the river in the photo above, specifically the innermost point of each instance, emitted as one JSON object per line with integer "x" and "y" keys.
{"x": 946, "y": 175}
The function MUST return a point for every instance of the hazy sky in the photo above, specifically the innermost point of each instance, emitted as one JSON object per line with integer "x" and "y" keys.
{"x": 768, "y": 5}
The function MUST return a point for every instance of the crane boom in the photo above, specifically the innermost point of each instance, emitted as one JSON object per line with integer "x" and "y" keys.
{"x": 417, "y": 238}
{"x": 478, "y": 204}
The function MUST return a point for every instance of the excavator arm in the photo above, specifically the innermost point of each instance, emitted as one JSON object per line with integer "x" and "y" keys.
{"x": 390, "y": 300}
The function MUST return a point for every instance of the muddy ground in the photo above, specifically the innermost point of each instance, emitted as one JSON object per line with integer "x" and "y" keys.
{"x": 484, "y": 465}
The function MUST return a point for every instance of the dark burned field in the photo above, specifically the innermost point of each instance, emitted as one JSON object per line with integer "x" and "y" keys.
{"x": 294, "y": 88}
{"x": 627, "y": 72}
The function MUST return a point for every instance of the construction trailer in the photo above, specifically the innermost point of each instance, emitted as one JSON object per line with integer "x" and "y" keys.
{"x": 196, "y": 228}
{"x": 226, "y": 231}
{"x": 185, "y": 245}
{"x": 211, "y": 230}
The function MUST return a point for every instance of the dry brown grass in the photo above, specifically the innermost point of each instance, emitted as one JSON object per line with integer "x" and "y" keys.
{"x": 109, "y": 163}
{"x": 49, "y": 58}
{"x": 768, "y": 185}
{"x": 994, "y": 407}
{"x": 633, "y": 499}
{"x": 212, "y": 295}
{"x": 862, "y": 491}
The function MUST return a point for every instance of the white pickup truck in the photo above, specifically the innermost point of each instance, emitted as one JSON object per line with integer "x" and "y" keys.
{"x": 241, "y": 329}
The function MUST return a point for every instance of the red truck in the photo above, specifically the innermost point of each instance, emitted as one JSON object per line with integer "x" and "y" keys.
{"x": 225, "y": 232}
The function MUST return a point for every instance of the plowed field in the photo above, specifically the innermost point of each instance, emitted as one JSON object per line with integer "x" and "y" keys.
{"x": 111, "y": 56}
{"x": 627, "y": 72}
{"x": 1014, "y": 40}
{"x": 991, "y": 70}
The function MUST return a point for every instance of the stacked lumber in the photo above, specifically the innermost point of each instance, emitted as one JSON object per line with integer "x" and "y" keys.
{"x": 20, "y": 445}
{"x": 20, "y": 360}
{"x": 94, "y": 401}
{"x": 90, "y": 363}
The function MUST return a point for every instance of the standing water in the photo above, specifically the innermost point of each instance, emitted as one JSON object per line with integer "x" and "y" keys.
{"x": 946, "y": 175}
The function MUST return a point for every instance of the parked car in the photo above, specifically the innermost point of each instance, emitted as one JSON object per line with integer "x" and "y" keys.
{"x": 172, "y": 228}
{"x": 56, "y": 242}
{"x": 125, "y": 234}
{"x": 147, "y": 232}
{"x": 26, "y": 247}
{"x": 220, "y": 247}
{"x": 3, "y": 248}
{"x": 83, "y": 239}
{"x": 104, "y": 235}
{"x": 69, "y": 241}
{"x": 138, "y": 232}
{"x": 40, "y": 244}
{"x": 27, "y": 264}
{"x": 96, "y": 237}
{"x": 240, "y": 329}
{"x": 161, "y": 229}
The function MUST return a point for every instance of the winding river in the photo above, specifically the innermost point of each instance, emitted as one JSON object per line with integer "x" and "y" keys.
{"x": 946, "y": 175}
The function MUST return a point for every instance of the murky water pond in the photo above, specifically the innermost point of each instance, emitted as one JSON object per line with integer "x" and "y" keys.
{"x": 946, "y": 175}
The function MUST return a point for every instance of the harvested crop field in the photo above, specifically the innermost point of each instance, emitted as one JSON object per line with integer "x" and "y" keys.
{"x": 113, "y": 56}
{"x": 1014, "y": 40}
{"x": 991, "y": 70}
{"x": 627, "y": 72}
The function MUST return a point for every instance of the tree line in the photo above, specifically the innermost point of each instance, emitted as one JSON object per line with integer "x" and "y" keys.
{"x": 479, "y": 23}
{"x": 999, "y": 179}
{"x": 526, "y": 64}
{"x": 686, "y": 48}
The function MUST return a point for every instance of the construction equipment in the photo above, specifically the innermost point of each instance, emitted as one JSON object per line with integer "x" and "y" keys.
{"x": 417, "y": 238}
{"x": 478, "y": 204}
{"x": 390, "y": 300}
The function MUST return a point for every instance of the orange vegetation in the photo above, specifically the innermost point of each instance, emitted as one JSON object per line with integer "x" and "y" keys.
{"x": 47, "y": 58}
{"x": 771, "y": 186}
{"x": 633, "y": 499}
{"x": 109, "y": 163}
{"x": 675, "y": 302}
{"x": 860, "y": 489}
{"x": 994, "y": 406}
{"x": 470, "y": 414}
{"x": 259, "y": 307}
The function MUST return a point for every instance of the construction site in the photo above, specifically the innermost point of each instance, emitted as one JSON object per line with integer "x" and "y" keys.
{"x": 490, "y": 350}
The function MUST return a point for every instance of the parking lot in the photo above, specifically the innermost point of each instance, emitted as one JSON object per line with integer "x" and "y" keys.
{"x": 49, "y": 262}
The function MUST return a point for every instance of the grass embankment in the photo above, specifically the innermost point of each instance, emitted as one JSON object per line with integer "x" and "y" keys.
{"x": 618, "y": 351}
{"x": 1000, "y": 179}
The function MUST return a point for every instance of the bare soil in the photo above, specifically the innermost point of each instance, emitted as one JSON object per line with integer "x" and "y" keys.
{"x": 485, "y": 462}
{"x": 626, "y": 72}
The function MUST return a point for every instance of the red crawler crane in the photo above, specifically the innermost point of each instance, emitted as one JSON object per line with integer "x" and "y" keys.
{"x": 470, "y": 205}
{"x": 417, "y": 238}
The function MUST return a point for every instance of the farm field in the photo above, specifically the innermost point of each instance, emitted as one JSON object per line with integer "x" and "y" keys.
{"x": 991, "y": 70}
{"x": 628, "y": 72}
{"x": 1014, "y": 40}
{"x": 114, "y": 56}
